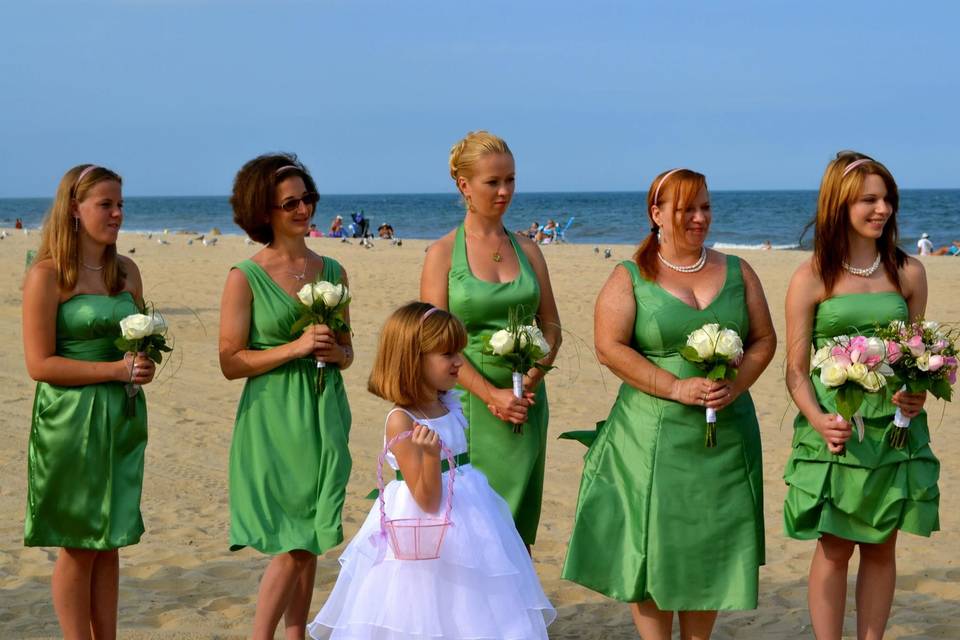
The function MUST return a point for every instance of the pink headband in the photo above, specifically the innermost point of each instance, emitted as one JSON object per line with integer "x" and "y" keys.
{"x": 656, "y": 193}
{"x": 285, "y": 168}
{"x": 853, "y": 165}
{"x": 427, "y": 313}
{"x": 83, "y": 174}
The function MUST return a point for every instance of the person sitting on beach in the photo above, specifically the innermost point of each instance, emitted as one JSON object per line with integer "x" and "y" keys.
{"x": 533, "y": 230}
{"x": 924, "y": 245}
{"x": 336, "y": 227}
{"x": 314, "y": 232}
{"x": 18, "y": 224}
{"x": 548, "y": 233}
{"x": 362, "y": 229}
{"x": 766, "y": 246}
{"x": 385, "y": 231}
{"x": 952, "y": 249}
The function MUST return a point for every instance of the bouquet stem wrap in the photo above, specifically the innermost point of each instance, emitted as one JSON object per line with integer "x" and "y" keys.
{"x": 517, "y": 393}
{"x": 710, "y": 440}
{"x": 898, "y": 438}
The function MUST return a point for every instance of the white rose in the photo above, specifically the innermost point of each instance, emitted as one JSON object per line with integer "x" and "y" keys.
{"x": 832, "y": 374}
{"x": 335, "y": 294}
{"x": 323, "y": 290}
{"x": 534, "y": 335}
{"x": 930, "y": 325}
{"x": 820, "y": 357}
{"x": 923, "y": 361}
{"x": 501, "y": 342}
{"x": 872, "y": 382}
{"x": 857, "y": 372}
{"x": 306, "y": 294}
{"x": 729, "y": 345}
{"x": 159, "y": 324}
{"x": 702, "y": 343}
{"x": 876, "y": 348}
{"x": 136, "y": 326}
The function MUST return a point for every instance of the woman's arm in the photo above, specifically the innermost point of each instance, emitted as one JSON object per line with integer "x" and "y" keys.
{"x": 40, "y": 303}
{"x": 419, "y": 460}
{"x": 236, "y": 360}
{"x": 548, "y": 317}
{"x": 803, "y": 295}
{"x": 760, "y": 342}
{"x": 613, "y": 322}
{"x": 433, "y": 289}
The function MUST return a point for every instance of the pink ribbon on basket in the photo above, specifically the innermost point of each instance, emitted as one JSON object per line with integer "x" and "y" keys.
{"x": 379, "y": 539}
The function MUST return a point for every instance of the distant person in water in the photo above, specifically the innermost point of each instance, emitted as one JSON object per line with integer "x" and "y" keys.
{"x": 18, "y": 224}
{"x": 766, "y": 246}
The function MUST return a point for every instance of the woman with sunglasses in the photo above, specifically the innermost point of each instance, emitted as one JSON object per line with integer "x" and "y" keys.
{"x": 289, "y": 461}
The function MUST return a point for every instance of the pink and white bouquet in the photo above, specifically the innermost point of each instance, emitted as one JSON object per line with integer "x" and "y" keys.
{"x": 718, "y": 352}
{"x": 521, "y": 345}
{"x": 322, "y": 302}
{"x": 853, "y": 366}
{"x": 922, "y": 357}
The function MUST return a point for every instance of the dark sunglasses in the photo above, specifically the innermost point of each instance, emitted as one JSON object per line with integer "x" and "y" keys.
{"x": 293, "y": 204}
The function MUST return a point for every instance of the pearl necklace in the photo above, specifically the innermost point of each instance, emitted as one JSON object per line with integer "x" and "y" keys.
{"x": 696, "y": 266}
{"x": 863, "y": 273}
{"x": 86, "y": 266}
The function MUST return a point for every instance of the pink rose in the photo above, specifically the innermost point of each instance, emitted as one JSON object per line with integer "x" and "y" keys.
{"x": 939, "y": 346}
{"x": 893, "y": 351}
{"x": 916, "y": 346}
{"x": 936, "y": 362}
{"x": 951, "y": 364}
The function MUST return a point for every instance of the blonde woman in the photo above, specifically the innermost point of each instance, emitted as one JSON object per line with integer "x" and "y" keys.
{"x": 85, "y": 457}
{"x": 479, "y": 271}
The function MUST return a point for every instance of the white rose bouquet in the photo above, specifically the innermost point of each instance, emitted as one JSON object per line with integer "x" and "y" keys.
{"x": 852, "y": 366}
{"x": 922, "y": 357}
{"x": 521, "y": 346}
{"x": 142, "y": 333}
{"x": 322, "y": 302}
{"x": 718, "y": 352}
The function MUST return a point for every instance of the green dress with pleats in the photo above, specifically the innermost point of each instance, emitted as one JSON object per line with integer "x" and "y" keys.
{"x": 873, "y": 489}
{"x": 85, "y": 456}
{"x": 513, "y": 463}
{"x": 660, "y": 516}
{"x": 289, "y": 460}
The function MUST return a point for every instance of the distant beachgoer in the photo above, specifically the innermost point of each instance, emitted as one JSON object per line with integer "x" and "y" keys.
{"x": 548, "y": 233}
{"x": 533, "y": 230}
{"x": 924, "y": 246}
{"x": 314, "y": 232}
{"x": 766, "y": 246}
{"x": 336, "y": 227}
{"x": 362, "y": 229}
{"x": 18, "y": 224}
{"x": 385, "y": 231}
{"x": 951, "y": 249}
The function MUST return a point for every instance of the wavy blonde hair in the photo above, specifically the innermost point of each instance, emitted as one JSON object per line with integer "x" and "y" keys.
{"x": 59, "y": 241}
{"x": 406, "y": 336}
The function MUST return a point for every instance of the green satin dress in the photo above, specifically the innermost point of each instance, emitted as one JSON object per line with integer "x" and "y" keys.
{"x": 289, "y": 460}
{"x": 873, "y": 489}
{"x": 660, "y": 516}
{"x": 513, "y": 463}
{"x": 85, "y": 457}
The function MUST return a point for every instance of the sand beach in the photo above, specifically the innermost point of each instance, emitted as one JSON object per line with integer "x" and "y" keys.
{"x": 182, "y": 582}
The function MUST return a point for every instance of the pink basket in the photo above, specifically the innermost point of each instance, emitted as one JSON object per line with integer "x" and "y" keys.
{"x": 415, "y": 538}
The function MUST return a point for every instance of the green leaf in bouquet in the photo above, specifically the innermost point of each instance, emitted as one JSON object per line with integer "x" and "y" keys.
{"x": 849, "y": 399}
{"x": 718, "y": 372}
{"x": 125, "y": 345}
{"x": 302, "y": 323}
{"x": 154, "y": 354}
{"x": 689, "y": 353}
{"x": 941, "y": 389}
{"x": 543, "y": 367}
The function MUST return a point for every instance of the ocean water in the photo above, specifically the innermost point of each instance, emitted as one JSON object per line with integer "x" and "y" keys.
{"x": 744, "y": 219}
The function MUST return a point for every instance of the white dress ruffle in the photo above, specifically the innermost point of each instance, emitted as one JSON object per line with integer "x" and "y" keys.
{"x": 483, "y": 585}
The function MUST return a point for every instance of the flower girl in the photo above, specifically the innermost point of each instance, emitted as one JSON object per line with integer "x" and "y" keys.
{"x": 483, "y": 584}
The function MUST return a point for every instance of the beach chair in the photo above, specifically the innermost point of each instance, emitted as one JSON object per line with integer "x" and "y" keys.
{"x": 562, "y": 231}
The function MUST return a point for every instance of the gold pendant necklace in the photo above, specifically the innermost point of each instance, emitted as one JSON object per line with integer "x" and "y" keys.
{"x": 496, "y": 255}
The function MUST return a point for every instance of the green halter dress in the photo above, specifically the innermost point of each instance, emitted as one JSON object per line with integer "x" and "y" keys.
{"x": 85, "y": 457}
{"x": 513, "y": 463}
{"x": 659, "y": 515}
{"x": 873, "y": 489}
{"x": 289, "y": 460}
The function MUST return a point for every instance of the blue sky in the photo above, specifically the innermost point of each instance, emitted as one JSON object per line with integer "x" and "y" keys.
{"x": 599, "y": 95}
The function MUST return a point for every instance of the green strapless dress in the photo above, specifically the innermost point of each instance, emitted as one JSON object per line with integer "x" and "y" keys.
{"x": 289, "y": 459}
{"x": 513, "y": 463}
{"x": 660, "y": 516}
{"x": 873, "y": 489}
{"x": 85, "y": 457}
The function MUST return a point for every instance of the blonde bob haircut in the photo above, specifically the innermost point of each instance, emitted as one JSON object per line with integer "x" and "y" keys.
{"x": 678, "y": 186}
{"x": 59, "y": 241}
{"x": 840, "y": 188}
{"x": 407, "y": 335}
